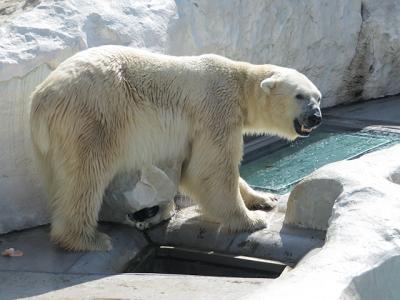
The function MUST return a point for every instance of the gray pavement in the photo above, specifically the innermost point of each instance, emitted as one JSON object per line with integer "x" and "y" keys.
{"x": 38, "y": 285}
{"x": 40, "y": 255}
{"x": 375, "y": 112}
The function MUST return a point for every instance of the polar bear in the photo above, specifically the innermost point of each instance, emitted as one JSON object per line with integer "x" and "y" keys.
{"x": 112, "y": 109}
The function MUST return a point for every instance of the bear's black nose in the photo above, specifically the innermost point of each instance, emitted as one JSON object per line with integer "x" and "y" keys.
{"x": 314, "y": 120}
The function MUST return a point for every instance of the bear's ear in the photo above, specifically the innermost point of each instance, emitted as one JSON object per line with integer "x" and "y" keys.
{"x": 268, "y": 84}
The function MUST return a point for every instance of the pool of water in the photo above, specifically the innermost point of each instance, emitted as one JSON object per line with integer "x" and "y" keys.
{"x": 280, "y": 170}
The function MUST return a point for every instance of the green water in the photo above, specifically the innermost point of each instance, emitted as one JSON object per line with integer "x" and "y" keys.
{"x": 279, "y": 171}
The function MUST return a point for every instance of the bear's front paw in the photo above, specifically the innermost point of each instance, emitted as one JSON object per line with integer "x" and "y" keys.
{"x": 262, "y": 200}
{"x": 258, "y": 220}
{"x": 252, "y": 221}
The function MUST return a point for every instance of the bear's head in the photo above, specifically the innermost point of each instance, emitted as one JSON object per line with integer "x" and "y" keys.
{"x": 288, "y": 103}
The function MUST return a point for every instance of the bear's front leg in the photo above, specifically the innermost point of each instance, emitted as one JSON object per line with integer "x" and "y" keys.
{"x": 213, "y": 181}
{"x": 255, "y": 199}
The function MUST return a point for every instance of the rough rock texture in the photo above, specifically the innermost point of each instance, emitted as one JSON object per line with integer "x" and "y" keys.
{"x": 361, "y": 256}
{"x": 349, "y": 48}
{"x": 48, "y": 32}
{"x": 378, "y": 50}
{"x": 304, "y": 35}
{"x": 22, "y": 203}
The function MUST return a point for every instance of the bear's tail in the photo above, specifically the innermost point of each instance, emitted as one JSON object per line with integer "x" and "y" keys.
{"x": 41, "y": 143}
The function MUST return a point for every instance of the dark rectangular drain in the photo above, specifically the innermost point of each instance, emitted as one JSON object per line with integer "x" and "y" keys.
{"x": 174, "y": 260}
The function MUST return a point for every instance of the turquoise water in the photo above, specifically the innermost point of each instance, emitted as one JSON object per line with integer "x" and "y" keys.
{"x": 279, "y": 171}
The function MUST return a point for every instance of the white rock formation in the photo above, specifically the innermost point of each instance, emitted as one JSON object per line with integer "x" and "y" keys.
{"x": 378, "y": 50}
{"x": 350, "y": 49}
{"x": 133, "y": 192}
{"x": 361, "y": 256}
{"x": 285, "y": 33}
{"x": 21, "y": 197}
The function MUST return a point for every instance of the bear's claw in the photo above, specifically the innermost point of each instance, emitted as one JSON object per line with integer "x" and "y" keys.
{"x": 263, "y": 201}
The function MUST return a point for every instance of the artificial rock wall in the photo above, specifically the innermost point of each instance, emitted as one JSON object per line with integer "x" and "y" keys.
{"x": 350, "y": 49}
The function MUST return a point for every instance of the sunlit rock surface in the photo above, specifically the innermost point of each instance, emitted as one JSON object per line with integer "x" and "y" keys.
{"x": 376, "y": 65}
{"x": 361, "y": 255}
{"x": 350, "y": 49}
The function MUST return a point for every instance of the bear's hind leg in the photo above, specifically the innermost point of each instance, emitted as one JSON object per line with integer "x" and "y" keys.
{"x": 75, "y": 208}
{"x": 255, "y": 199}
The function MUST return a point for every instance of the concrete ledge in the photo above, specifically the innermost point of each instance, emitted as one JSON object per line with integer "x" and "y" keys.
{"x": 35, "y": 285}
{"x": 40, "y": 255}
{"x": 279, "y": 242}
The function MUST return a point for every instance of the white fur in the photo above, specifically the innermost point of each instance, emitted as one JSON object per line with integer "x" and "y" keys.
{"x": 111, "y": 109}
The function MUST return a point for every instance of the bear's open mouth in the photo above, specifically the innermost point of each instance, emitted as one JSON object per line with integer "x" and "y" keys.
{"x": 301, "y": 129}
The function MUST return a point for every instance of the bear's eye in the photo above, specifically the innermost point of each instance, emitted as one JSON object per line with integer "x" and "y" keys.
{"x": 300, "y": 96}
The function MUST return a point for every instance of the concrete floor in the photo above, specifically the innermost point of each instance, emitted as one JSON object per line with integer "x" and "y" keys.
{"x": 40, "y": 255}
{"x": 46, "y": 272}
{"x": 28, "y": 285}
{"x": 384, "y": 111}
{"x": 277, "y": 242}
